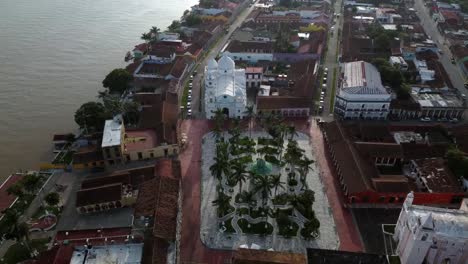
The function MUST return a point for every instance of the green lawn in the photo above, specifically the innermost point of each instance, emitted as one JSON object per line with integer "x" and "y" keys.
{"x": 18, "y": 252}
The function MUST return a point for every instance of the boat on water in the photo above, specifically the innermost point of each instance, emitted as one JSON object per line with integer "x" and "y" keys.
{"x": 128, "y": 56}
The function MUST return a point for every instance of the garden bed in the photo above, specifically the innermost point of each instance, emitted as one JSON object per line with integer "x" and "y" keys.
{"x": 259, "y": 228}
{"x": 288, "y": 229}
{"x": 19, "y": 252}
{"x": 228, "y": 226}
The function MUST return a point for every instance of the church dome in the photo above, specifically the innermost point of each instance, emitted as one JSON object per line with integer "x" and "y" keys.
{"x": 212, "y": 64}
{"x": 226, "y": 63}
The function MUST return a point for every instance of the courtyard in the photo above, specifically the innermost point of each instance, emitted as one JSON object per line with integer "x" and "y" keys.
{"x": 263, "y": 190}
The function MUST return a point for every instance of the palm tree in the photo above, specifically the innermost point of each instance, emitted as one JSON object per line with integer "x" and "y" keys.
{"x": 292, "y": 132}
{"x": 16, "y": 190}
{"x": 249, "y": 112}
{"x": 305, "y": 166}
{"x": 154, "y": 33}
{"x": 221, "y": 165}
{"x": 262, "y": 184}
{"x": 239, "y": 173}
{"x": 275, "y": 181}
{"x": 223, "y": 203}
{"x": 146, "y": 37}
{"x": 248, "y": 197}
{"x": 31, "y": 183}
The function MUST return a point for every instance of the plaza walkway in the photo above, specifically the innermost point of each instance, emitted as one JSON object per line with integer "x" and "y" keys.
{"x": 191, "y": 248}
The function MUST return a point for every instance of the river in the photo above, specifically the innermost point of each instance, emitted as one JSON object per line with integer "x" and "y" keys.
{"x": 54, "y": 55}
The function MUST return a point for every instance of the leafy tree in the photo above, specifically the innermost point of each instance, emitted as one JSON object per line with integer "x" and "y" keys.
{"x": 91, "y": 116}
{"x": 458, "y": 162}
{"x": 129, "y": 109}
{"x": 186, "y": 12}
{"x": 117, "y": 81}
{"x": 52, "y": 199}
{"x": 16, "y": 190}
{"x": 404, "y": 91}
{"x": 174, "y": 26}
{"x": 17, "y": 230}
{"x": 193, "y": 20}
{"x": 31, "y": 183}
{"x": 239, "y": 173}
{"x": 382, "y": 41}
{"x": 390, "y": 74}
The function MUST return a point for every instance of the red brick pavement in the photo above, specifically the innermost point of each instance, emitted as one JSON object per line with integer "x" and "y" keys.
{"x": 347, "y": 231}
{"x": 193, "y": 250}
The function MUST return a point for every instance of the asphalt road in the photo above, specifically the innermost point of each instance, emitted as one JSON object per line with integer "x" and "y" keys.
{"x": 330, "y": 59}
{"x": 431, "y": 30}
{"x": 197, "y": 90}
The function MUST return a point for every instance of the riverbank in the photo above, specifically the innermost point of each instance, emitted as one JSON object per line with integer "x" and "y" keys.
{"x": 46, "y": 77}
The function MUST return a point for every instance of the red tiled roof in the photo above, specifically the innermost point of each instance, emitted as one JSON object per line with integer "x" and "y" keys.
{"x": 282, "y": 102}
{"x": 7, "y": 200}
{"x": 57, "y": 255}
{"x": 117, "y": 177}
{"x": 256, "y": 47}
{"x": 166, "y": 209}
{"x": 141, "y": 47}
{"x": 162, "y": 51}
{"x": 95, "y": 236}
{"x": 378, "y": 149}
{"x": 254, "y": 70}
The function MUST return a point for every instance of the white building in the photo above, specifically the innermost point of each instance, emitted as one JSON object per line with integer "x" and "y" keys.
{"x": 225, "y": 88}
{"x": 432, "y": 235}
{"x": 361, "y": 94}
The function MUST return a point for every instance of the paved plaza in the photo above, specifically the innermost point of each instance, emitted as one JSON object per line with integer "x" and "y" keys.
{"x": 213, "y": 236}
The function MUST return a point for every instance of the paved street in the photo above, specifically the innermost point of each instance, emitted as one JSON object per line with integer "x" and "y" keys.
{"x": 197, "y": 90}
{"x": 429, "y": 26}
{"x": 330, "y": 59}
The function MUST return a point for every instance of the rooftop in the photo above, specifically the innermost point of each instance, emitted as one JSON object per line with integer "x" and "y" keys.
{"x": 112, "y": 132}
{"x": 324, "y": 256}
{"x": 445, "y": 222}
{"x": 98, "y": 195}
{"x": 126, "y": 253}
{"x": 140, "y": 139}
{"x": 361, "y": 77}
{"x": 436, "y": 176}
{"x": 437, "y": 100}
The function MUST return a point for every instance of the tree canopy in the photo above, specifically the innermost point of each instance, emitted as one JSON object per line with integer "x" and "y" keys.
{"x": 457, "y": 162}
{"x": 91, "y": 116}
{"x": 117, "y": 81}
{"x": 193, "y": 20}
{"x": 52, "y": 198}
{"x": 393, "y": 77}
{"x": 174, "y": 26}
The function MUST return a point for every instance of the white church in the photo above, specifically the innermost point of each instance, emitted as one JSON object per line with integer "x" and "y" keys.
{"x": 432, "y": 235}
{"x": 225, "y": 88}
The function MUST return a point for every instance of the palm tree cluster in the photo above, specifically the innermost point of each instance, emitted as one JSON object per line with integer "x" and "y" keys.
{"x": 152, "y": 36}
{"x": 233, "y": 165}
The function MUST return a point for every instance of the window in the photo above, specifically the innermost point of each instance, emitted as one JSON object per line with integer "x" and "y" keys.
{"x": 224, "y": 96}
{"x": 140, "y": 155}
{"x": 152, "y": 155}
{"x": 128, "y": 157}
{"x": 111, "y": 162}
{"x": 382, "y": 199}
{"x": 165, "y": 152}
{"x": 391, "y": 199}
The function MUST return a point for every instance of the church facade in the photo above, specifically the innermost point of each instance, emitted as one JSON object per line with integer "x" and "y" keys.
{"x": 225, "y": 88}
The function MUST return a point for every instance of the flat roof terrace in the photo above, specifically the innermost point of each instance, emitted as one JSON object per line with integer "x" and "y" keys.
{"x": 126, "y": 253}
{"x": 140, "y": 139}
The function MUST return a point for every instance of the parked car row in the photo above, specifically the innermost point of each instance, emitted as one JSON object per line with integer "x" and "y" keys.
{"x": 443, "y": 119}
{"x": 323, "y": 90}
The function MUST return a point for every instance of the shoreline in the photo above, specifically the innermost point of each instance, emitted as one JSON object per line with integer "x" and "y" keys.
{"x": 42, "y": 151}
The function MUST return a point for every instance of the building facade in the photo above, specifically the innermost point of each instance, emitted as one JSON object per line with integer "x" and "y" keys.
{"x": 112, "y": 141}
{"x": 225, "y": 88}
{"x": 432, "y": 235}
{"x": 361, "y": 94}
